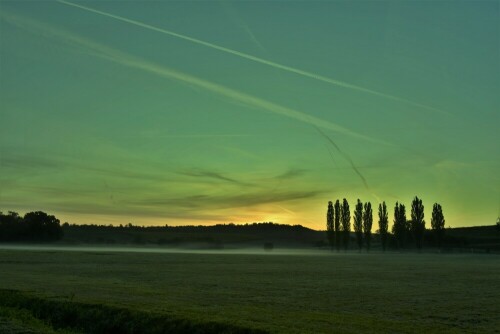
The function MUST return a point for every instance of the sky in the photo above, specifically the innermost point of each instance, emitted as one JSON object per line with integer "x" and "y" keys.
{"x": 182, "y": 113}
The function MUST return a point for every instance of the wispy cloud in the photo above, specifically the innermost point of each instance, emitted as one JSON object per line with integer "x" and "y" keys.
{"x": 291, "y": 174}
{"x": 211, "y": 175}
{"x": 254, "y": 58}
{"x": 215, "y": 202}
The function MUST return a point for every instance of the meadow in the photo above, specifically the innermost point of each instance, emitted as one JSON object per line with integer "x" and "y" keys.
{"x": 279, "y": 292}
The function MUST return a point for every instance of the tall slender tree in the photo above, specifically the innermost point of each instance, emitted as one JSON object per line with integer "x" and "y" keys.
{"x": 330, "y": 228}
{"x": 358, "y": 223}
{"x": 336, "y": 223}
{"x": 437, "y": 223}
{"x": 346, "y": 223}
{"x": 367, "y": 224}
{"x": 399, "y": 227}
{"x": 417, "y": 221}
{"x": 383, "y": 224}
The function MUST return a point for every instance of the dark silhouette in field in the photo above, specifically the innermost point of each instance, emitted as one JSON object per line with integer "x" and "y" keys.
{"x": 337, "y": 224}
{"x": 383, "y": 225}
{"x": 345, "y": 217}
{"x": 437, "y": 223}
{"x": 367, "y": 224}
{"x": 358, "y": 224}
{"x": 330, "y": 228}
{"x": 268, "y": 246}
{"x": 417, "y": 221}
{"x": 33, "y": 227}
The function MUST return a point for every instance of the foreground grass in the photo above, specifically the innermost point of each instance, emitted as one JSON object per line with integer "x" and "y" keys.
{"x": 344, "y": 293}
{"x": 99, "y": 318}
{"x": 21, "y": 321}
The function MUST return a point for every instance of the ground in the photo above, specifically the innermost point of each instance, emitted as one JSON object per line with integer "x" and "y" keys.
{"x": 314, "y": 292}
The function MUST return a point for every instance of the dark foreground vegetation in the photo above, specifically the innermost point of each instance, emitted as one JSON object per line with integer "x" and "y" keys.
{"x": 102, "y": 319}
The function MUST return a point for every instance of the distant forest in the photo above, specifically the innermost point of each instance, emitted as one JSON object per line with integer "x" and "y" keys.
{"x": 42, "y": 227}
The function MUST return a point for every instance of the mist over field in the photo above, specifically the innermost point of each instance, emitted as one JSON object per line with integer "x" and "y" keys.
{"x": 180, "y": 250}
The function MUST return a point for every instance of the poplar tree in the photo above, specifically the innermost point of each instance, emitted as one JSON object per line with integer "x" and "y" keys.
{"x": 367, "y": 224}
{"x": 336, "y": 223}
{"x": 330, "y": 228}
{"x": 345, "y": 218}
{"x": 399, "y": 227}
{"x": 383, "y": 224}
{"x": 437, "y": 223}
{"x": 358, "y": 223}
{"x": 417, "y": 221}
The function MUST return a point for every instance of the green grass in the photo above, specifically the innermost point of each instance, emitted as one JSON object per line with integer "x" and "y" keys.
{"x": 343, "y": 293}
{"x": 105, "y": 319}
{"x": 21, "y": 321}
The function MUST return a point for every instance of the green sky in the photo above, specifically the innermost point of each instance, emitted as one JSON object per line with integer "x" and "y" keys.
{"x": 214, "y": 112}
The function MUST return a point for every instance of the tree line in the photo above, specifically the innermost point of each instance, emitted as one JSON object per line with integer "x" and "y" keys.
{"x": 35, "y": 226}
{"x": 404, "y": 231}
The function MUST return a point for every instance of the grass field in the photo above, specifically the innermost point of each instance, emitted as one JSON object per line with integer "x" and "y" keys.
{"x": 313, "y": 293}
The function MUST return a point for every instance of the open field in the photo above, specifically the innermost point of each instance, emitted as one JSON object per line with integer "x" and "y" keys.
{"x": 294, "y": 293}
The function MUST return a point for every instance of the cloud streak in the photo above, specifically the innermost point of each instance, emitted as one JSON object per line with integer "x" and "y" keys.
{"x": 212, "y": 175}
{"x": 214, "y": 202}
{"x": 127, "y": 60}
{"x": 291, "y": 174}
{"x": 254, "y": 58}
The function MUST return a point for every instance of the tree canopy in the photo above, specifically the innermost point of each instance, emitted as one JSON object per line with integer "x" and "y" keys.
{"x": 34, "y": 227}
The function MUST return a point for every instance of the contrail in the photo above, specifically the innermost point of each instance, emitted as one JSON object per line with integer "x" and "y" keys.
{"x": 242, "y": 24}
{"x": 348, "y": 158}
{"x": 255, "y": 59}
{"x": 127, "y": 60}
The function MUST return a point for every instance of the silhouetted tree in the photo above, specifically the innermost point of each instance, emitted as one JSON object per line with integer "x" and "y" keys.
{"x": 383, "y": 224}
{"x": 399, "y": 227}
{"x": 358, "y": 223}
{"x": 409, "y": 237}
{"x": 12, "y": 227}
{"x": 336, "y": 222}
{"x": 417, "y": 221}
{"x": 498, "y": 224}
{"x": 367, "y": 224}
{"x": 34, "y": 226}
{"x": 437, "y": 223}
{"x": 43, "y": 227}
{"x": 330, "y": 228}
{"x": 346, "y": 223}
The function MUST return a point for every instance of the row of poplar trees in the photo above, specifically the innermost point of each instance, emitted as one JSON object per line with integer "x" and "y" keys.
{"x": 338, "y": 224}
